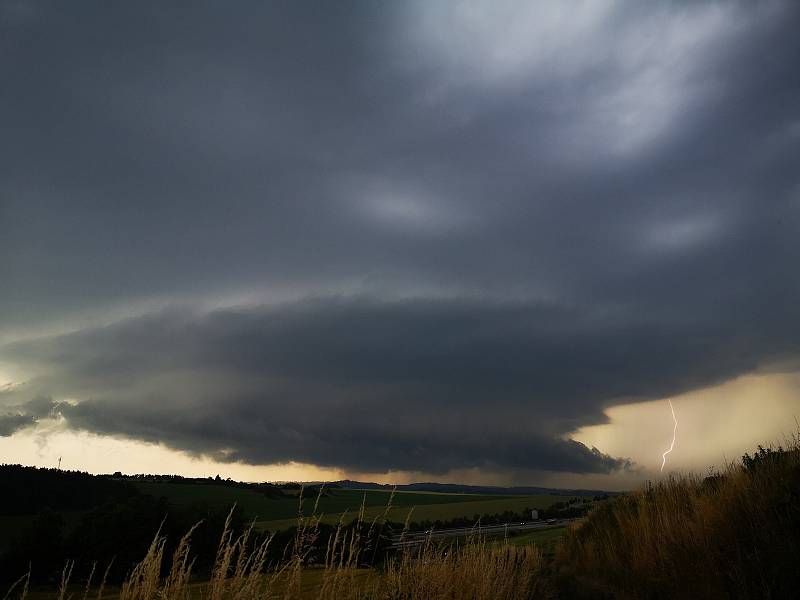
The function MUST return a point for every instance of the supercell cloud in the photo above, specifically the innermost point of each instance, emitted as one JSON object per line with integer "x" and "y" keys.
{"x": 418, "y": 236}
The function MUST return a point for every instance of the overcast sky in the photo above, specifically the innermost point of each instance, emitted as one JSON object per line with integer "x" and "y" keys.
{"x": 440, "y": 240}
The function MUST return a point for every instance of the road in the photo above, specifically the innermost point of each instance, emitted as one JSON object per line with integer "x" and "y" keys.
{"x": 418, "y": 537}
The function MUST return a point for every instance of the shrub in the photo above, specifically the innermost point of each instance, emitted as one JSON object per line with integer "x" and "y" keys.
{"x": 734, "y": 535}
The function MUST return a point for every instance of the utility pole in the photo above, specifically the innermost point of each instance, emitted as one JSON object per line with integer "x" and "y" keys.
{"x": 59, "y": 463}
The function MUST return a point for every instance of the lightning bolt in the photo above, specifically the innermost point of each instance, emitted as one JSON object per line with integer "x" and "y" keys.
{"x": 674, "y": 431}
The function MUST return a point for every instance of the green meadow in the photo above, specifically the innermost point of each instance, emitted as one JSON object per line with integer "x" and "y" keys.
{"x": 545, "y": 539}
{"x": 272, "y": 513}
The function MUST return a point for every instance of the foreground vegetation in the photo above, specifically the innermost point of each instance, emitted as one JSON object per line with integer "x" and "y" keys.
{"x": 346, "y": 566}
{"x": 48, "y": 517}
{"x": 734, "y": 534}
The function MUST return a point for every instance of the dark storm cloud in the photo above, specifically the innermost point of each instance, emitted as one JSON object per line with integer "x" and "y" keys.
{"x": 581, "y": 207}
{"x": 369, "y": 385}
{"x": 423, "y": 385}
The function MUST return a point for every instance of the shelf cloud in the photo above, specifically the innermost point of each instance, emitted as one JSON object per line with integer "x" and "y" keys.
{"x": 416, "y": 237}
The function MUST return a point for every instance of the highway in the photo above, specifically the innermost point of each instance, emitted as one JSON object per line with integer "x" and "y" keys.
{"x": 414, "y": 538}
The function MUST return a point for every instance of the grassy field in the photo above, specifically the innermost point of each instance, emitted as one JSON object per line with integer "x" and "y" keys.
{"x": 432, "y": 511}
{"x": 476, "y": 570}
{"x": 493, "y": 570}
{"x": 13, "y": 525}
{"x": 546, "y": 539}
{"x": 281, "y": 513}
{"x": 252, "y": 503}
{"x": 308, "y": 584}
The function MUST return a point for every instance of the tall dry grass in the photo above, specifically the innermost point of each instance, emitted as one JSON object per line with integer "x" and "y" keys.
{"x": 735, "y": 534}
{"x": 474, "y": 571}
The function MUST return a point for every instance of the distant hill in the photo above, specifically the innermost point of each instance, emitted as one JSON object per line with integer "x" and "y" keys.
{"x": 455, "y": 488}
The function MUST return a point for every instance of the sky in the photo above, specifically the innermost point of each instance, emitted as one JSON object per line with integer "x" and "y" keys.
{"x": 442, "y": 241}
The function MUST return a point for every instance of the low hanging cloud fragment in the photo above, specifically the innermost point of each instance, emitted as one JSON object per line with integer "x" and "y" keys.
{"x": 25, "y": 415}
